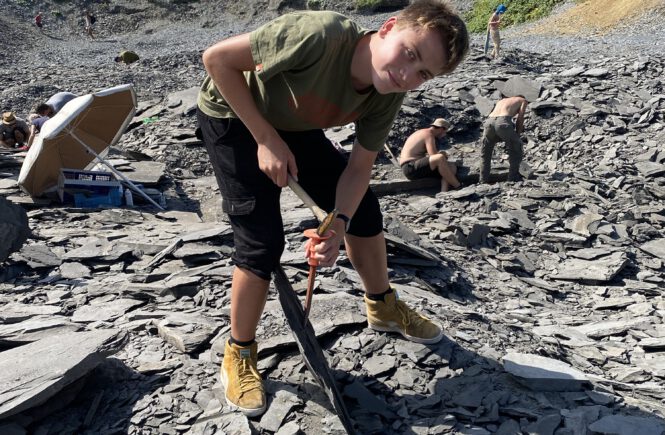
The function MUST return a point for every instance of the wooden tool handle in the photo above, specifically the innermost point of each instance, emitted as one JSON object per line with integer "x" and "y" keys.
{"x": 307, "y": 200}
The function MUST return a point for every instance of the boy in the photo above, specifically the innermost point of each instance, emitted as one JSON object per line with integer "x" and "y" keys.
{"x": 499, "y": 127}
{"x": 421, "y": 159}
{"x": 262, "y": 110}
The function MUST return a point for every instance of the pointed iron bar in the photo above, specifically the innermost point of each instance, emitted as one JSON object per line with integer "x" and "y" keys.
{"x": 115, "y": 171}
{"x": 303, "y": 332}
{"x": 309, "y": 347}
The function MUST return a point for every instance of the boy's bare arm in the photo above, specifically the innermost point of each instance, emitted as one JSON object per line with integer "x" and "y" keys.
{"x": 225, "y": 62}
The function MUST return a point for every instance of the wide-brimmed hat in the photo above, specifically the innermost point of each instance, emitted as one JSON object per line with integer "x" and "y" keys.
{"x": 8, "y": 118}
{"x": 501, "y": 9}
{"x": 441, "y": 123}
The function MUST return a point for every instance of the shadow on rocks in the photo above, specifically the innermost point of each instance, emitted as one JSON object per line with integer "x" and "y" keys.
{"x": 102, "y": 402}
{"x": 471, "y": 393}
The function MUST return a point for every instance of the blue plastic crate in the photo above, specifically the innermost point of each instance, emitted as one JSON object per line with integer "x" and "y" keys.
{"x": 87, "y": 183}
{"x": 112, "y": 198}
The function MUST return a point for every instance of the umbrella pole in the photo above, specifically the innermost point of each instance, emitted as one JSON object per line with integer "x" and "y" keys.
{"x": 116, "y": 172}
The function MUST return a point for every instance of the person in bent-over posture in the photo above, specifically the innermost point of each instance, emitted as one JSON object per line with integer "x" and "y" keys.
{"x": 499, "y": 127}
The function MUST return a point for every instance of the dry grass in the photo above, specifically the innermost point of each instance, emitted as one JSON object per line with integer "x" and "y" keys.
{"x": 596, "y": 16}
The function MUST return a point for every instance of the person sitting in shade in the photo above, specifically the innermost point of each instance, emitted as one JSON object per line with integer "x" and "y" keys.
{"x": 127, "y": 57}
{"x": 13, "y": 131}
{"x": 420, "y": 157}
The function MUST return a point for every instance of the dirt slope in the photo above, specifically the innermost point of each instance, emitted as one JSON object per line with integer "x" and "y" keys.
{"x": 597, "y": 16}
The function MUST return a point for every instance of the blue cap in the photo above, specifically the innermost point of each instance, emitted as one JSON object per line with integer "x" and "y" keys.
{"x": 501, "y": 9}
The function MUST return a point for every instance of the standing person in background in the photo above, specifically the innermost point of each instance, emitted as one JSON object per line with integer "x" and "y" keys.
{"x": 493, "y": 25}
{"x": 39, "y": 20}
{"x": 90, "y": 20}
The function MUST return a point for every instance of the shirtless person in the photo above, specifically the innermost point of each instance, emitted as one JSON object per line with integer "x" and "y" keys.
{"x": 421, "y": 159}
{"x": 499, "y": 127}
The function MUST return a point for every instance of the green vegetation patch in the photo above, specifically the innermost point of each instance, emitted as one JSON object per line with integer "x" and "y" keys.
{"x": 519, "y": 11}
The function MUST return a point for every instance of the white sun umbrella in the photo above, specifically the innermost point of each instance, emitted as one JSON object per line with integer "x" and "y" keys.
{"x": 79, "y": 133}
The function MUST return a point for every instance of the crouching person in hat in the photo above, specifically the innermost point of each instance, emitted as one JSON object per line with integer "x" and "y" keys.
{"x": 126, "y": 57}
{"x": 13, "y": 131}
{"x": 420, "y": 157}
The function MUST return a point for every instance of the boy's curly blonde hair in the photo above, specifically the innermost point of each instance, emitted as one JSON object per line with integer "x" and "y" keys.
{"x": 438, "y": 15}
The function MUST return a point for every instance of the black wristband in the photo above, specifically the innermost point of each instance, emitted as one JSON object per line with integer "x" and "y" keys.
{"x": 346, "y": 220}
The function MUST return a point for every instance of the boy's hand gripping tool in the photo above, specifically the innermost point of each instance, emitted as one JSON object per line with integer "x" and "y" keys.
{"x": 315, "y": 236}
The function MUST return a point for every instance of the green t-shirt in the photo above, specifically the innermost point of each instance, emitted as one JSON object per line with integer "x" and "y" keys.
{"x": 302, "y": 79}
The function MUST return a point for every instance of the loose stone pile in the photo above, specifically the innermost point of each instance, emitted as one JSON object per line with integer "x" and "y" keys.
{"x": 550, "y": 290}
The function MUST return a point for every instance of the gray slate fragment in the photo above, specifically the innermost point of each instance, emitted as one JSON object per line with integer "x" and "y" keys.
{"x": 517, "y": 85}
{"x": 509, "y": 427}
{"x": 74, "y": 270}
{"x": 627, "y": 425}
{"x": 38, "y": 256}
{"x": 37, "y": 328}
{"x": 545, "y": 425}
{"x": 105, "y": 311}
{"x": 545, "y": 105}
{"x": 17, "y": 312}
{"x": 572, "y": 72}
{"x": 604, "y": 269}
{"x": 14, "y": 229}
{"x": 280, "y": 406}
{"x": 588, "y": 253}
{"x": 610, "y": 327}
{"x": 596, "y": 72}
{"x": 379, "y": 364}
{"x": 544, "y": 374}
{"x": 188, "y": 331}
{"x": 218, "y": 423}
{"x": 370, "y": 402}
{"x": 31, "y": 374}
{"x": 655, "y": 247}
{"x": 650, "y": 169}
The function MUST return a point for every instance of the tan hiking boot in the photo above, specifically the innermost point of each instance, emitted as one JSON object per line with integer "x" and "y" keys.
{"x": 394, "y": 315}
{"x": 243, "y": 387}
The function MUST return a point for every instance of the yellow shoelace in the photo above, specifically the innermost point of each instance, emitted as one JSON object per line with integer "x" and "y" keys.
{"x": 248, "y": 376}
{"x": 409, "y": 315}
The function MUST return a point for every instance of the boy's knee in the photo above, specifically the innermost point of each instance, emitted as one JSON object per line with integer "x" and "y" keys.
{"x": 261, "y": 260}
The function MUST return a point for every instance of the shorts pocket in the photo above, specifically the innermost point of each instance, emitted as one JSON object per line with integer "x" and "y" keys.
{"x": 238, "y": 206}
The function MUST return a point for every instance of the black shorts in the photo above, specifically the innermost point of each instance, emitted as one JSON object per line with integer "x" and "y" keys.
{"x": 416, "y": 169}
{"x": 251, "y": 199}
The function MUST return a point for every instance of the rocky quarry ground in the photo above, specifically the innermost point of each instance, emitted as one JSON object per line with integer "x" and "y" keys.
{"x": 550, "y": 290}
